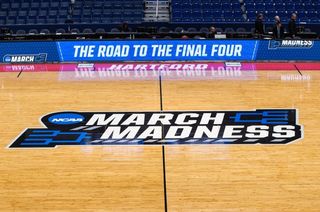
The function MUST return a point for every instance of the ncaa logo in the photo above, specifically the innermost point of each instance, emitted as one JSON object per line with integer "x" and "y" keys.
{"x": 274, "y": 44}
{"x": 7, "y": 59}
{"x": 66, "y": 118}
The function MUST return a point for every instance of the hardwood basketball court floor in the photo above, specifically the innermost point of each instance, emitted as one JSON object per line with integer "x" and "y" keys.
{"x": 131, "y": 178}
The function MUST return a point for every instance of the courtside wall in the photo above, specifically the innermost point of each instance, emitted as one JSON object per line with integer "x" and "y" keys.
{"x": 159, "y": 50}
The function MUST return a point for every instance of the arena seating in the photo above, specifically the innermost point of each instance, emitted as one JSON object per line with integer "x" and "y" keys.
{"x": 49, "y": 16}
{"x": 56, "y": 11}
{"x": 113, "y": 11}
{"x": 33, "y": 12}
{"x": 108, "y": 11}
{"x": 307, "y": 10}
{"x": 206, "y": 11}
{"x": 230, "y": 10}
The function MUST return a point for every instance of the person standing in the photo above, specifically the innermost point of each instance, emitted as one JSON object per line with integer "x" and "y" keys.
{"x": 292, "y": 26}
{"x": 278, "y": 29}
{"x": 259, "y": 25}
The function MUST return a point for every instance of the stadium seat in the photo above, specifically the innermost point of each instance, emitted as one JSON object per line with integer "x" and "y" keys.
{"x": 115, "y": 30}
{"x": 21, "y": 32}
{"x": 204, "y": 30}
{"x": 87, "y": 30}
{"x": 20, "y": 21}
{"x": 163, "y": 29}
{"x": 45, "y": 31}
{"x": 31, "y": 20}
{"x": 33, "y": 31}
{"x": 75, "y": 31}
{"x": 10, "y": 21}
{"x": 241, "y": 29}
{"x": 192, "y": 29}
{"x": 229, "y": 30}
{"x": 25, "y": 5}
{"x": 100, "y": 30}
{"x": 3, "y": 14}
{"x": 35, "y": 5}
{"x": 61, "y": 31}
{"x": 179, "y": 29}
{"x": 5, "y": 6}
{"x": 219, "y": 30}
{"x": 15, "y": 5}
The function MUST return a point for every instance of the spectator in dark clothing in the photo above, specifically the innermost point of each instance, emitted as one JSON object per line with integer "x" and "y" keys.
{"x": 278, "y": 29}
{"x": 292, "y": 26}
{"x": 259, "y": 26}
{"x": 124, "y": 27}
{"x": 212, "y": 32}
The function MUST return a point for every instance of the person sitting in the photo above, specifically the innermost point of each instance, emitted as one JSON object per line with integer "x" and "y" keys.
{"x": 124, "y": 27}
{"x": 184, "y": 37}
{"x": 212, "y": 32}
{"x": 278, "y": 29}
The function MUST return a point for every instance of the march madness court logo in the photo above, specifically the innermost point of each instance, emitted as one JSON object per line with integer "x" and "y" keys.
{"x": 267, "y": 126}
{"x": 25, "y": 58}
{"x": 289, "y": 44}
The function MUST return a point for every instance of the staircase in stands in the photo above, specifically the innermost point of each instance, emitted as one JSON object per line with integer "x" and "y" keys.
{"x": 157, "y": 11}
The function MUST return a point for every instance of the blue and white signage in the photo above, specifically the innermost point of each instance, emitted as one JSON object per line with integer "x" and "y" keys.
{"x": 158, "y": 50}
